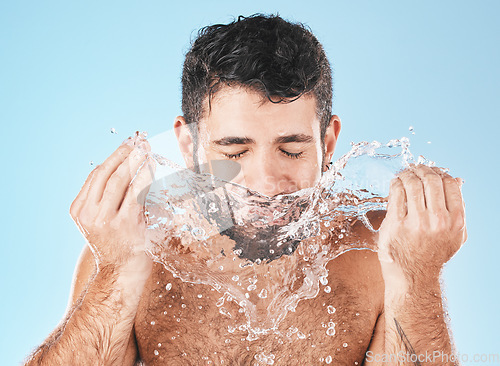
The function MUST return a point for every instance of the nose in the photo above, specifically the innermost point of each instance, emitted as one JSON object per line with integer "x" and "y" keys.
{"x": 266, "y": 176}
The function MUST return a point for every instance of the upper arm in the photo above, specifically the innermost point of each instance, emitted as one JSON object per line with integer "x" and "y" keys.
{"x": 84, "y": 272}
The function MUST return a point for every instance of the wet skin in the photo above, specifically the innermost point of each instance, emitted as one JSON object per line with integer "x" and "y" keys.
{"x": 280, "y": 150}
{"x": 195, "y": 333}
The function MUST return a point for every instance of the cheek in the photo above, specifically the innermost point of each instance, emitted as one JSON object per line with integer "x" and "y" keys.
{"x": 306, "y": 173}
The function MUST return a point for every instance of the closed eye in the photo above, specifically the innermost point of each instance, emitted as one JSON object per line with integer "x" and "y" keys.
{"x": 292, "y": 155}
{"x": 235, "y": 156}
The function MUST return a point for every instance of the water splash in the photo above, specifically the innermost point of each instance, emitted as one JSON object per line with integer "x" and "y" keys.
{"x": 207, "y": 230}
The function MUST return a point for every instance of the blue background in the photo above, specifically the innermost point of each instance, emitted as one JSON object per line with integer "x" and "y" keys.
{"x": 71, "y": 71}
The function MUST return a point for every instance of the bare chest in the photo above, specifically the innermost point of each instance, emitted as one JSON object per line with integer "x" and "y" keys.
{"x": 180, "y": 323}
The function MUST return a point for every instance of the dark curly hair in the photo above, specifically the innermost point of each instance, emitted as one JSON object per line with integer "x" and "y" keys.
{"x": 279, "y": 59}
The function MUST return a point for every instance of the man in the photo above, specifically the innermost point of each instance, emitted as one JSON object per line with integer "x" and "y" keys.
{"x": 257, "y": 91}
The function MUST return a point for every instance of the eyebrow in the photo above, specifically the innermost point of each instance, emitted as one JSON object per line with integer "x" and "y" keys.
{"x": 298, "y": 137}
{"x": 233, "y": 140}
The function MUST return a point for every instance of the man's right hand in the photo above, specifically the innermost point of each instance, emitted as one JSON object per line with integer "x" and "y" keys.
{"x": 109, "y": 210}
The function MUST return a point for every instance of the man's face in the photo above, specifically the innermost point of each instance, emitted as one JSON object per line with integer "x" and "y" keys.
{"x": 278, "y": 145}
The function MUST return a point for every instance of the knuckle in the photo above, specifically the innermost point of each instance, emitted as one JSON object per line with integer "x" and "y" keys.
{"x": 432, "y": 178}
{"x": 115, "y": 223}
{"x": 422, "y": 168}
{"x": 440, "y": 212}
{"x": 396, "y": 183}
{"x": 73, "y": 209}
{"x": 437, "y": 170}
{"x": 449, "y": 180}
{"x": 440, "y": 225}
{"x": 414, "y": 182}
{"x": 459, "y": 220}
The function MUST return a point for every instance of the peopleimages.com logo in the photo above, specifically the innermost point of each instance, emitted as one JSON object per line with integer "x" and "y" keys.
{"x": 435, "y": 356}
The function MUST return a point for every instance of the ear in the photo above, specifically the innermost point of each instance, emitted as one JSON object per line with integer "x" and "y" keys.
{"x": 185, "y": 140}
{"x": 331, "y": 136}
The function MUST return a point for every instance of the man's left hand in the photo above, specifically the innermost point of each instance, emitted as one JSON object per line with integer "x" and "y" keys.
{"x": 424, "y": 225}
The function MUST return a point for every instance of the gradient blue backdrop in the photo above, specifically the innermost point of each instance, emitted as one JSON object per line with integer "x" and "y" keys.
{"x": 70, "y": 71}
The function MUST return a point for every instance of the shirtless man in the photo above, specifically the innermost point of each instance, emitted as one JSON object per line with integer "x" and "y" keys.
{"x": 258, "y": 91}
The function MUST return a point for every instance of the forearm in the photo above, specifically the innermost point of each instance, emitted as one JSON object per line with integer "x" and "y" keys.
{"x": 98, "y": 328}
{"x": 415, "y": 323}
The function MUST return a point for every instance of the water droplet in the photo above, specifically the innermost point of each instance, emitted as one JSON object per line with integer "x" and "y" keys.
{"x": 301, "y": 335}
{"x": 330, "y": 331}
{"x": 252, "y": 337}
{"x": 323, "y": 280}
{"x": 263, "y": 293}
{"x": 168, "y": 287}
{"x": 159, "y": 344}
{"x": 225, "y": 312}
{"x": 330, "y": 309}
{"x": 153, "y": 322}
{"x": 328, "y": 359}
{"x": 231, "y": 329}
{"x": 251, "y": 287}
{"x": 345, "y": 345}
{"x": 212, "y": 207}
{"x": 183, "y": 306}
{"x": 178, "y": 320}
{"x": 156, "y": 352}
{"x": 221, "y": 268}
{"x": 357, "y": 314}
{"x": 165, "y": 312}
{"x": 200, "y": 296}
{"x": 328, "y": 289}
{"x": 227, "y": 340}
{"x": 220, "y": 302}
{"x": 198, "y": 233}
{"x": 235, "y": 278}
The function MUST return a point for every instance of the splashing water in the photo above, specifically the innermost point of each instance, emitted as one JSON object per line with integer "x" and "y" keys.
{"x": 206, "y": 230}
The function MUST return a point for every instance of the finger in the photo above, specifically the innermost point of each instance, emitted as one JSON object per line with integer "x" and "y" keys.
{"x": 106, "y": 169}
{"x": 77, "y": 204}
{"x": 453, "y": 194}
{"x": 440, "y": 171}
{"x": 414, "y": 190}
{"x": 117, "y": 185}
{"x": 396, "y": 206}
{"x": 433, "y": 189}
{"x": 138, "y": 189}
